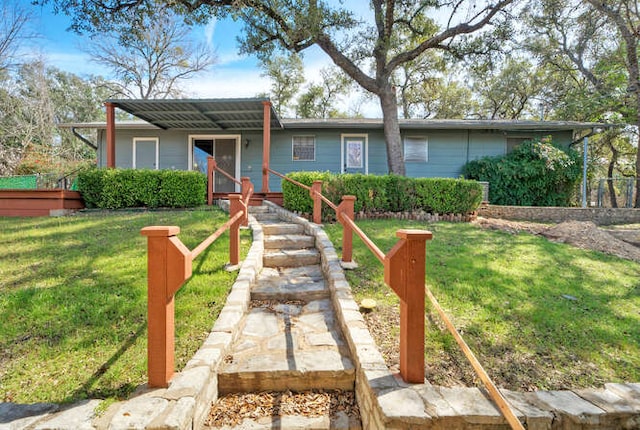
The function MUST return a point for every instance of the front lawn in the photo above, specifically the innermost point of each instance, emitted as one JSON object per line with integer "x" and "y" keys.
{"x": 73, "y": 297}
{"x": 538, "y": 315}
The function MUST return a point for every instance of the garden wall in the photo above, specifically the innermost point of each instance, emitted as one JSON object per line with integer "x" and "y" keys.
{"x": 599, "y": 216}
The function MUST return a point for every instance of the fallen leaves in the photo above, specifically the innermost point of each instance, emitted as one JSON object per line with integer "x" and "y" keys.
{"x": 232, "y": 409}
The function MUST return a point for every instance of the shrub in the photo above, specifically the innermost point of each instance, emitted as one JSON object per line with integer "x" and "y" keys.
{"x": 123, "y": 188}
{"x": 298, "y": 199}
{"x": 388, "y": 193}
{"x": 533, "y": 174}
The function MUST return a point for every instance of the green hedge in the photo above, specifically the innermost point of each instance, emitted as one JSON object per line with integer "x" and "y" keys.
{"x": 389, "y": 193}
{"x": 536, "y": 173}
{"x": 125, "y": 188}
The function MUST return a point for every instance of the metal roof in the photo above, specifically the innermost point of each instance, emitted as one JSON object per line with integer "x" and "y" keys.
{"x": 214, "y": 114}
{"x": 444, "y": 124}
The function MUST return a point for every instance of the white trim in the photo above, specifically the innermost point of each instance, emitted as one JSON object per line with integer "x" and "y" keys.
{"x": 157, "y": 141}
{"x": 215, "y": 137}
{"x": 365, "y": 138}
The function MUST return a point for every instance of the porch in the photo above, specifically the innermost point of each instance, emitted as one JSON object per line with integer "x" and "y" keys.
{"x": 227, "y": 129}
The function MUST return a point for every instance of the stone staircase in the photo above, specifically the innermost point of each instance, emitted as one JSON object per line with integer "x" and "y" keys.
{"x": 289, "y": 338}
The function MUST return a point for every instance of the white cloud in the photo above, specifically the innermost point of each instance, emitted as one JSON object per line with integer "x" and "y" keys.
{"x": 209, "y": 31}
{"x": 228, "y": 83}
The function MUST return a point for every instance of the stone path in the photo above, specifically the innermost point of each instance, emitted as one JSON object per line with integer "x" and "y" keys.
{"x": 289, "y": 339}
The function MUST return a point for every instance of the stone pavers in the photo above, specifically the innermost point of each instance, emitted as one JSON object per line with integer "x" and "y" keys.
{"x": 289, "y": 338}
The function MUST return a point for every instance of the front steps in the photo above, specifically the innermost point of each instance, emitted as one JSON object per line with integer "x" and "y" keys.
{"x": 289, "y": 340}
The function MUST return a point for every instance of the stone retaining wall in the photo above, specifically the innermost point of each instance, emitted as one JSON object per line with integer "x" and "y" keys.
{"x": 599, "y": 216}
{"x": 386, "y": 402}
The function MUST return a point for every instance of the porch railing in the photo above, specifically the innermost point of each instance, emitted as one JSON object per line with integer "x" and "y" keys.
{"x": 212, "y": 166}
{"x": 404, "y": 272}
{"x": 169, "y": 264}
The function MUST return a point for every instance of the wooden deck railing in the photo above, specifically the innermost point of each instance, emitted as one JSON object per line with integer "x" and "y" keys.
{"x": 169, "y": 264}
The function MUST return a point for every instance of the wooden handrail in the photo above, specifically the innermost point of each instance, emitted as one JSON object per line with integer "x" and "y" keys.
{"x": 497, "y": 397}
{"x": 169, "y": 265}
{"x": 209, "y": 240}
{"x": 219, "y": 170}
{"x": 365, "y": 239}
{"x": 404, "y": 271}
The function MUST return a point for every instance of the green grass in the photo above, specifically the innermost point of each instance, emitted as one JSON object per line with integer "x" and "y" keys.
{"x": 73, "y": 297}
{"x": 505, "y": 294}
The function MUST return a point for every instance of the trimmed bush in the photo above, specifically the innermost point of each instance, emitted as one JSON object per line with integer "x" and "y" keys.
{"x": 125, "y": 188}
{"x": 533, "y": 174}
{"x": 388, "y": 193}
{"x": 298, "y": 199}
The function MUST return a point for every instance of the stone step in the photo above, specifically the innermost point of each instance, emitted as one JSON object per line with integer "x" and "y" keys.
{"x": 258, "y": 209}
{"x": 270, "y": 228}
{"x": 289, "y": 241}
{"x": 290, "y": 257}
{"x": 293, "y": 345}
{"x": 266, "y": 216}
{"x": 295, "y": 283}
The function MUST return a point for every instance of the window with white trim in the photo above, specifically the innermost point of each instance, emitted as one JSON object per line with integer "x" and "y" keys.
{"x": 416, "y": 149}
{"x": 303, "y": 148}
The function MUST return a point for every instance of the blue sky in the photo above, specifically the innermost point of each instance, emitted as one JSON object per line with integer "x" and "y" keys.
{"x": 232, "y": 76}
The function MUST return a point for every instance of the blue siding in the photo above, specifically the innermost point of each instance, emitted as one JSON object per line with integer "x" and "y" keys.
{"x": 448, "y": 150}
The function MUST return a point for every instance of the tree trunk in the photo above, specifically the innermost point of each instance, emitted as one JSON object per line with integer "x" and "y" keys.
{"x": 612, "y": 163}
{"x": 389, "y": 104}
{"x": 637, "y": 202}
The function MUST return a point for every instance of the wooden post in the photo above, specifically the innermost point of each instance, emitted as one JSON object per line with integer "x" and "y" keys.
{"x": 211, "y": 165}
{"x": 111, "y": 135}
{"x": 236, "y": 205}
{"x": 168, "y": 266}
{"x": 266, "y": 145}
{"x": 316, "y": 189}
{"x": 246, "y": 190}
{"x": 404, "y": 269}
{"x": 345, "y": 209}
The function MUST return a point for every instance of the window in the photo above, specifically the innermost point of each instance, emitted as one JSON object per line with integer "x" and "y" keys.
{"x": 415, "y": 150}
{"x": 514, "y": 142}
{"x": 304, "y": 148}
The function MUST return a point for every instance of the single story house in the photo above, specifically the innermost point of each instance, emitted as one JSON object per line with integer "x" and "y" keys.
{"x": 246, "y": 135}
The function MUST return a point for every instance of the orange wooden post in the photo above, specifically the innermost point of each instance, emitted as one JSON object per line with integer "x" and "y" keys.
{"x": 404, "y": 269}
{"x": 246, "y": 190}
{"x": 345, "y": 209}
{"x": 168, "y": 266}
{"x": 111, "y": 134}
{"x": 211, "y": 164}
{"x": 236, "y": 205}
{"x": 316, "y": 189}
{"x": 266, "y": 145}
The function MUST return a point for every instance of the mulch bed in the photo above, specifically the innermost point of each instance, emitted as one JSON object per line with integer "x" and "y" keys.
{"x": 232, "y": 409}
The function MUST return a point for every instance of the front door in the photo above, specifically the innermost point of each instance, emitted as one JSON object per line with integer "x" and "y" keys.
{"x": 355, "y": 153}
{"x": 223, "y": 149}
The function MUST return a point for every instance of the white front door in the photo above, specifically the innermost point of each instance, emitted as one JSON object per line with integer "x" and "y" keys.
{"x": 355, "y": 153}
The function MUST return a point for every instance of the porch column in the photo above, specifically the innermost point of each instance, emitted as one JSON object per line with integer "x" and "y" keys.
{"x": 111, "y": 135}
{"x": 266, "y": 145}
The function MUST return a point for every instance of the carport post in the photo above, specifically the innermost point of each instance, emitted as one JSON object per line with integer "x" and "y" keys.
{"x": 111, "y": 134}
{"x": 266, "y": 145}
